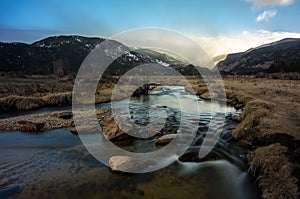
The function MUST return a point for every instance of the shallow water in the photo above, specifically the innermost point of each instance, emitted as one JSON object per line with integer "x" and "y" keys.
{"x": 55, "y": 164}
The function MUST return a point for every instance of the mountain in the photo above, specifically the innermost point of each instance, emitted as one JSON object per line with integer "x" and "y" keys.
{"x": 62, "y": 55}
{"x": 54, "y": 55}
{"x": 280, "y": 56}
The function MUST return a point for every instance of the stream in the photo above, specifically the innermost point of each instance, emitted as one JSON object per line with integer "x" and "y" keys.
{"x": 55, "y": 164}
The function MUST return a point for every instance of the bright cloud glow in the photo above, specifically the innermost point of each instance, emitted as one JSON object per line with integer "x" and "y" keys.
{"x": 215, "y": 46}
{"x": 264, "y": 3}
{"x": 266, "y": 15}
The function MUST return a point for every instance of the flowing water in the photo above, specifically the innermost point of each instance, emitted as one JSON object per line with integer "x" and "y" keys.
{"x": 55, "y": 164}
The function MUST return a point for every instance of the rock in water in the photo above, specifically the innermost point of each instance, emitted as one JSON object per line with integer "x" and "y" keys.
{"x": 237, "y": 118}
{"x": 31, "y": 126}
{"x": 165, "y": 139}
{"x": 143, "y": 90}
{"x": 74, "y": 131}
{"x": 113, "y": 130}
{"x": 126, "y": 163}
{"x": 110, "y": 128}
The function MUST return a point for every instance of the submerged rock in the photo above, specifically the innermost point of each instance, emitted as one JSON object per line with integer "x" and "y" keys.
{"x": 126, "y": 163}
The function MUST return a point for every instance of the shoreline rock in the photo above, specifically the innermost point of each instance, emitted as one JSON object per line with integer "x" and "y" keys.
{"x": 126, "y": 164}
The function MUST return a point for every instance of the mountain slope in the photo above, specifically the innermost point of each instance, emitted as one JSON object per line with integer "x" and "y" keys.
{"x": 61, "y": 55}
{"x": 54, "y": 55}
{"x": 280, "y": 56}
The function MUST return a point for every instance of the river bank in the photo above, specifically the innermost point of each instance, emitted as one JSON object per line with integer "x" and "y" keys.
{"x": 58, "y": 165}
{"x": 269, "y": 128}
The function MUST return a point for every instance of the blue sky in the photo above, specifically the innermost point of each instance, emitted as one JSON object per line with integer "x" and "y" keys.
{"x": 30, "y": 20}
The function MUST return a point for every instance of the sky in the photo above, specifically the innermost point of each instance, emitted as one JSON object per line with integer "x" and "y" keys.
{"x": 219, "y": 26}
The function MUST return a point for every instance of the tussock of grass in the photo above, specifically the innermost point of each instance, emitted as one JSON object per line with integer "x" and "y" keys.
{"x": 28, "y": 103}
{"x": 271, "y": 166}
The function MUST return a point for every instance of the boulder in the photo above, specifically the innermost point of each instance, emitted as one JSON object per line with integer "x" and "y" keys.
{"x": 126, "y": 163}
{"x": 156, "y": 88}
{"x": 111, "y": 129}
{"x": 143, "y": 90}
{"x": 165, "y": 139}
{"x": 205, "y": 96}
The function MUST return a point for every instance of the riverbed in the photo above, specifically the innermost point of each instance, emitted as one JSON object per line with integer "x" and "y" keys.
{"x": 55, "y": 164}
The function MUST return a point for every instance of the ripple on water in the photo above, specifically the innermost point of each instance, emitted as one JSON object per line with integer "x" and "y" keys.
{"x": 55, "y": 164}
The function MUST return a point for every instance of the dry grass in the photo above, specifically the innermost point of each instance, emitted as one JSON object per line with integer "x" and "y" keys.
{"x": 274, "y": 172}
{"x": 270, "y": 125}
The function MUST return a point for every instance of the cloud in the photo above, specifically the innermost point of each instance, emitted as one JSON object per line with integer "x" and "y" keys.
{"x": 265, "y": 3}
{"x": 245, "y": 32}
{"x": 215, "y": 46}
{"x": 266, "y": 15}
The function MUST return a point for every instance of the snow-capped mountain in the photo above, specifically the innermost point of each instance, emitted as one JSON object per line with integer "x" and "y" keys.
{"x": 61, "y": 55}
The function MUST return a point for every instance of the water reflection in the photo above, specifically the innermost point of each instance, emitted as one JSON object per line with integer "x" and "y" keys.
{"x": 54, "y": 164}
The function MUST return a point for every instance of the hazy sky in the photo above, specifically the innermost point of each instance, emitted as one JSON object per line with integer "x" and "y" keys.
{"x": 221, "y": 26}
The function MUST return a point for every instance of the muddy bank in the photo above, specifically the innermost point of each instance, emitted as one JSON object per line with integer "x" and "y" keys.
{"x": 269, "y": 127}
